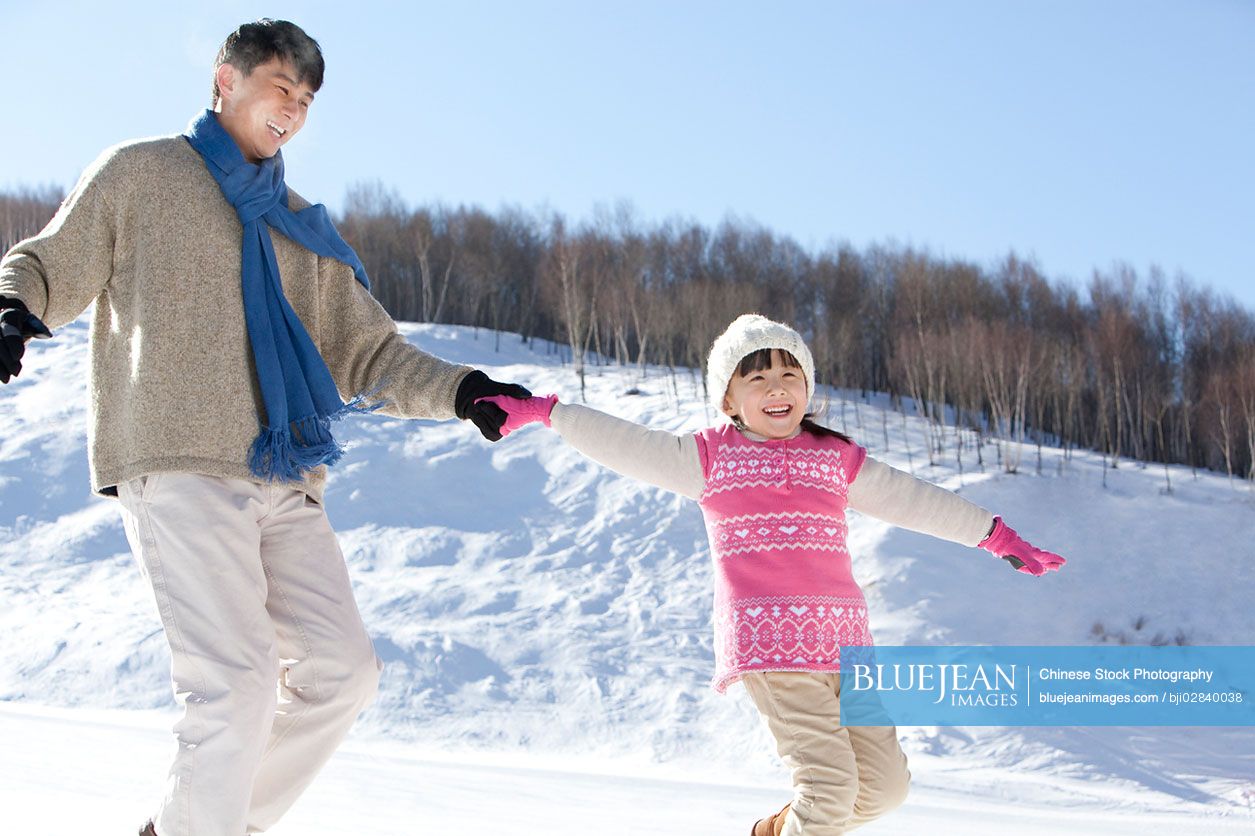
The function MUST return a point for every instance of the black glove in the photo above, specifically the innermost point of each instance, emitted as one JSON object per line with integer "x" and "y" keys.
{"x": 17, "y": 325}
{"x": 487, "y": 416}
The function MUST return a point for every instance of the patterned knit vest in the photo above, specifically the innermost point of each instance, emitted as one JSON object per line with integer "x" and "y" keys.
{"x": 785, "y": 599}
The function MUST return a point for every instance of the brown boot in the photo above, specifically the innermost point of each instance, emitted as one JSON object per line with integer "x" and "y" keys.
{"x": 772, "y": 825}
{"x": 148, "y": 830}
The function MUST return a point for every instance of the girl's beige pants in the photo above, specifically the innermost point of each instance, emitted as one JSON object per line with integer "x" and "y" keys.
{"x": 843, "y": 776}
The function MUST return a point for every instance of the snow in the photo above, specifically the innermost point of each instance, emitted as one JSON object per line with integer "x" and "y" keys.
{"x": 545, "y": 626}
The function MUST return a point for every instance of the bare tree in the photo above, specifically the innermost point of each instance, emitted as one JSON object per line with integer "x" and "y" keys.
{"x": 26, "y": 211}
{"x": 572, "y": 287}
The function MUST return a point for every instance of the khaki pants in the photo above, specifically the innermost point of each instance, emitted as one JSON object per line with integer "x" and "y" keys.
{"x": 269, "y": 657}
{"x": 843, "y": 776}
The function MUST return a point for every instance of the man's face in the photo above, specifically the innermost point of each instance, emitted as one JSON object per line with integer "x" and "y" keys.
{"x": 264, "y": 109}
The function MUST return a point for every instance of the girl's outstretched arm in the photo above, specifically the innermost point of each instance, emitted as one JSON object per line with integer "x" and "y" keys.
{"x": 893, "y": 496}
{"x": 658, "y": 457}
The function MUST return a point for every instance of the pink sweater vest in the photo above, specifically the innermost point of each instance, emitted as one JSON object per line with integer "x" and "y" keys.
{"x": 785, "y": 599}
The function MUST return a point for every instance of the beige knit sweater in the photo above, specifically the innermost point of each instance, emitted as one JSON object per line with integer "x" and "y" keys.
{"x": 148, "y": 236}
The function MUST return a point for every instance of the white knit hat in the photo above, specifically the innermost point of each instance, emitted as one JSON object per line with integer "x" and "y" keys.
{"x": 747, "y": 334}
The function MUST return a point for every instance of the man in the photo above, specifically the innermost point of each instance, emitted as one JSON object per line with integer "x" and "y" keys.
{"x": 230, "y": 318}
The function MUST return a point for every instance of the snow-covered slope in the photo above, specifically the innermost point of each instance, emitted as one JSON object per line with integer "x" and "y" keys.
{"x": 527, "y": 601}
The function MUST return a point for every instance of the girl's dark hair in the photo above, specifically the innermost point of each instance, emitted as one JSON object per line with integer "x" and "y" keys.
{"x": 757, "y": 361}
{"x": 253, "y": 44}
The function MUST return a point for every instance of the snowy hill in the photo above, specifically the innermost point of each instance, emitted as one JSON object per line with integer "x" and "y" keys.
{"x": 529, "y": 603}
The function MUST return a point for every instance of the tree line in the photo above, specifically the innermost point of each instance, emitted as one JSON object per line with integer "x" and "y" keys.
{"x": 1148, "y": 368}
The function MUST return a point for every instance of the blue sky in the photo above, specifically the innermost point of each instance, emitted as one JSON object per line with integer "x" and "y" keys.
{"x": 1080, "y": 133}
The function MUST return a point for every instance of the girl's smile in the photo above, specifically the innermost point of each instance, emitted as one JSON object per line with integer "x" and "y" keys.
{"x": 770, "y": 402}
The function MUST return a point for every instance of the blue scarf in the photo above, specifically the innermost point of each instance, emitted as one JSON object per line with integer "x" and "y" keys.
{"x": 299, "y": 394}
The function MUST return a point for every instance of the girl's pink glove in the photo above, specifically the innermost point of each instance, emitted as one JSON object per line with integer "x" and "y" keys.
{"x": 1024, "y": 556}
{"x": 522, "y": 411}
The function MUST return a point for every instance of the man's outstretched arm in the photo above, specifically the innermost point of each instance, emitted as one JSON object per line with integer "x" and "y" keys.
{"x": 58, "y": 272}
{"x": 368, "y": 356}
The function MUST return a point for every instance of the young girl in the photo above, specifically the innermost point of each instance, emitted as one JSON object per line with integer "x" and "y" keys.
{"x": 773, "y": 487}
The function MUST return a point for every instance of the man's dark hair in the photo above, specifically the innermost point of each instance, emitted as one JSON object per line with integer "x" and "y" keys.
{"x": 253, "y": 44}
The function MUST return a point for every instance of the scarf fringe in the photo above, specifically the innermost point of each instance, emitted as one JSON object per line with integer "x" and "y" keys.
{"x": 365, "y": 403}
{"x": 289, "y": 453}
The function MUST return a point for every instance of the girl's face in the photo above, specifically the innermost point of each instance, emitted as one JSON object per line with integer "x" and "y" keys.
{"x": 770, "y": 402}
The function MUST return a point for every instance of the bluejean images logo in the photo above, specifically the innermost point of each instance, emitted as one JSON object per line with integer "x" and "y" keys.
{"x": 964, "y": 685}
{"x": 1048, "y": 686}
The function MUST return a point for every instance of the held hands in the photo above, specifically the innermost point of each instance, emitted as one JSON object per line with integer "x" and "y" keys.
{"x": 523, "y": 411}
{"x": 477, "y": 386}
{"x": 1003, "y": 542}
{"x": 17, "y": 325}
